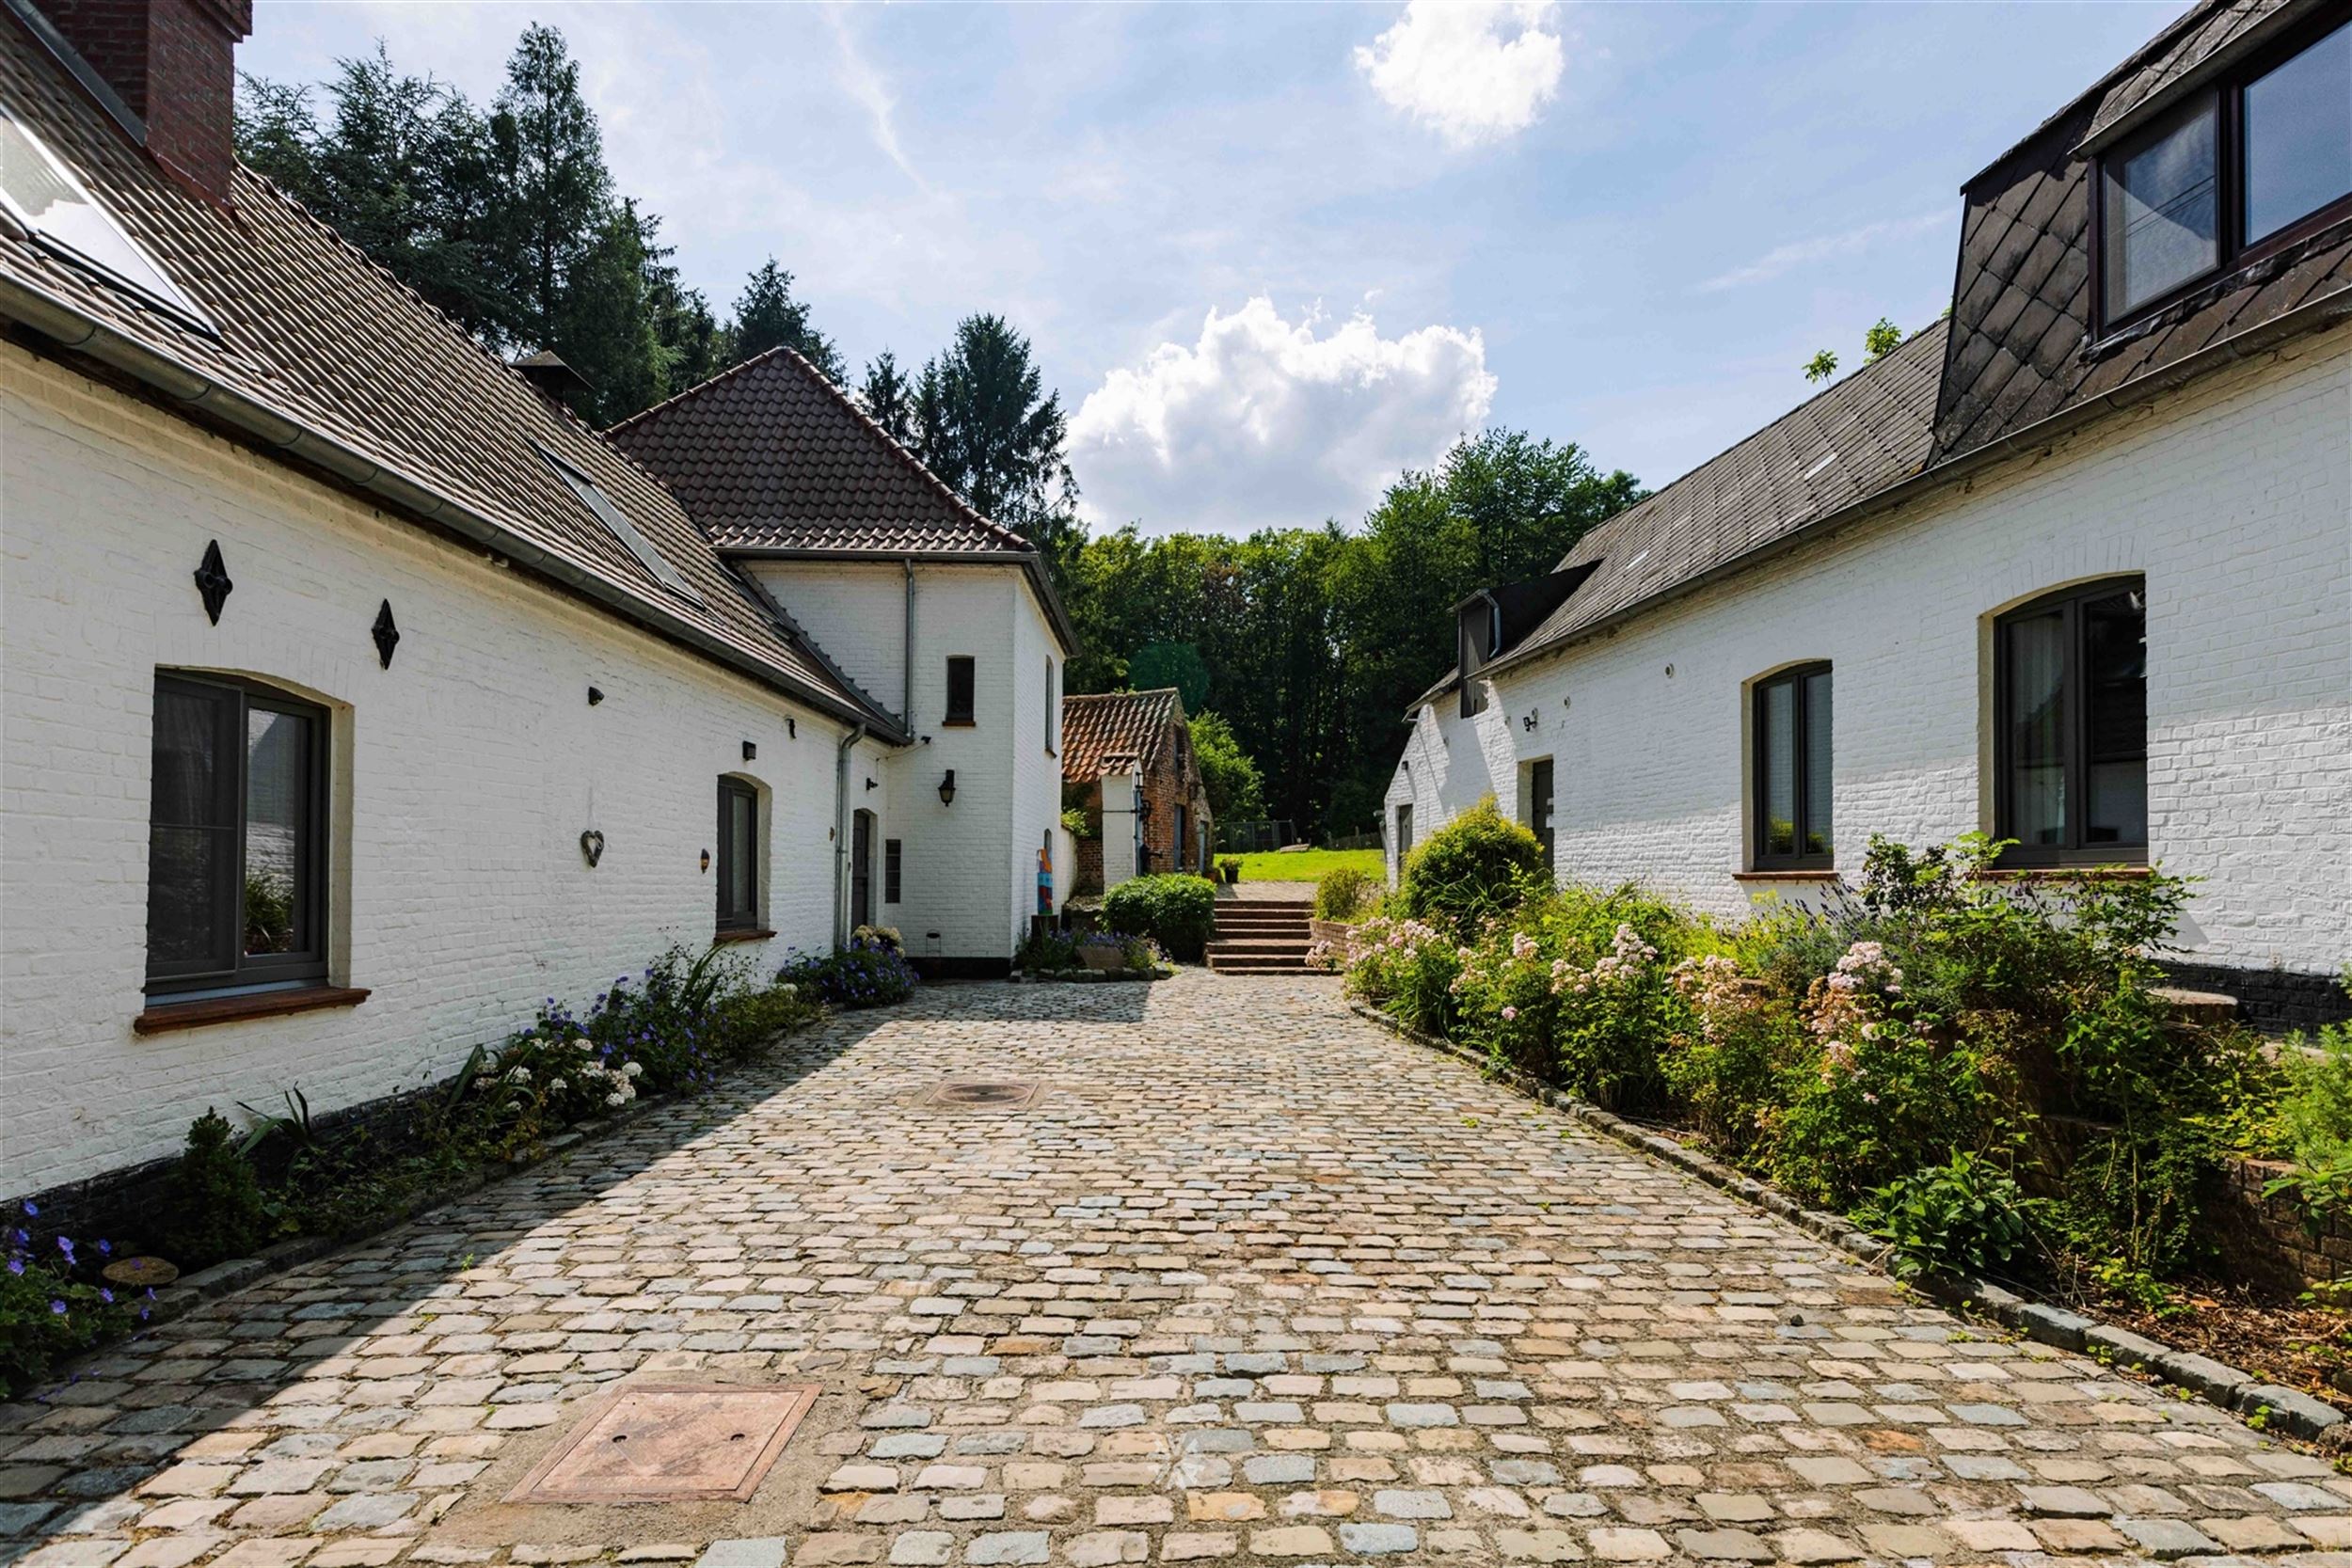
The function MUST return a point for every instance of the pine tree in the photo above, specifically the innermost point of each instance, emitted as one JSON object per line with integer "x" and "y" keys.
{"x": 550, "y": 156}
{"x": 888, "y": 399}
{"x": 985, "y": 424}
{"x": 767, "y": 316}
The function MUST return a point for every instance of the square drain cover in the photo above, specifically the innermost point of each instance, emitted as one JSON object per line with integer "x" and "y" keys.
{"x": 980, "y": 1094}
{"x": 670, "y": 1441}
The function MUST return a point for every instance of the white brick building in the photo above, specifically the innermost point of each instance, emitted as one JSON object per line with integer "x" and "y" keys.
{"x": 354, "y": 697}
{"x": 2079, "y": 570}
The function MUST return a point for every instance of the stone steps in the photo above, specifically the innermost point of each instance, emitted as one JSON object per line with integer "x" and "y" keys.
{"x": 1261, "y": 938}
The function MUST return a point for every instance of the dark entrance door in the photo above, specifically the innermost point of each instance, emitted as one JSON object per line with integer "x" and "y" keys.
{"x": 1540, "y": 806}
{"x": 861, "y": 869}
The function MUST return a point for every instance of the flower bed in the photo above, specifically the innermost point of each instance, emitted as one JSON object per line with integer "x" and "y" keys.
{"x": 1901, "y": 1057}
{"x": 1091, "y": 955}
{"x": 242, "y": 1202}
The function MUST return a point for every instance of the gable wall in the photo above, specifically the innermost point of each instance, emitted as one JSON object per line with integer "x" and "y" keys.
{"x": 466, "y": 773}
{"x": 2231, "y": 496}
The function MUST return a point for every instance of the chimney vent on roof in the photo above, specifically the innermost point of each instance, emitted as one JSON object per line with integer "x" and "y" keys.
{"x": 555, "y": 380}
{"x": 173, "y": 62}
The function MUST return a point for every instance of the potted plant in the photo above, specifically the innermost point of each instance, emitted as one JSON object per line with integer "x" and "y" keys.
{"x": 1103, "y": 951}
{"x": 1228, "y": 869}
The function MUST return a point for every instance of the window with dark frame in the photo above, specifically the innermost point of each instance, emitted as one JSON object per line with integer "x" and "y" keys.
{"x": 1052, "y": 707}
{"x": 1404, "y": 835}
{"x": 960, "y": 690}
{"x": 890, "y": 870}
{"x": 2071, "y": 739}
{"x": 738, "y": 855}
{"x": 2256, "y": 162}
{"x": 236, "y": 849}
{"x": 1792, "y": 778}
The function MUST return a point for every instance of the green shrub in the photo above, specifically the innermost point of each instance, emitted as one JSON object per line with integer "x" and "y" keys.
{"x": 1174, "y": 909}
{"x": 216, "y": 1204}
{"x": 755, "y": 1017}
{"x": 1732, "y": 1066}
{"x": 1479, "y": 865}
{"x": 1965, "y": 1218}
{"x": 1344, "y": 893}
{"x": 1044, "y": 949}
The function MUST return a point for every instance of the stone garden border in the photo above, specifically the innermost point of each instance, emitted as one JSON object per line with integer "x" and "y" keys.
{"x": 1090, "y": 976}
{"x": 2288, "y": 1410}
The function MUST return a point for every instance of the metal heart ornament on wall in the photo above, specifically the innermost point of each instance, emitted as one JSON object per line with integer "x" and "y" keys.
{"x": 592, "y": 846}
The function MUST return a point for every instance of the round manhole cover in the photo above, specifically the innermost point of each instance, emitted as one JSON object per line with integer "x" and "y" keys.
{"x": 981, "y": 1094}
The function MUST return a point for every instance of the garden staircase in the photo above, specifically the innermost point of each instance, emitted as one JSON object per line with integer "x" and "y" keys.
{"x": 1260, "y": 936}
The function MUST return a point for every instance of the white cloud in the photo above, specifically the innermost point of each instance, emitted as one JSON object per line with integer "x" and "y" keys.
{"x": 865, "y": 84}
{"x": 1473, "y": 71}
{"x": 1823, "y": 248}
{"x": 1261, "y": 422}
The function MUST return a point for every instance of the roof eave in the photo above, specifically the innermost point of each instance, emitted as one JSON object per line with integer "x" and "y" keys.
{"x": 79, "y": 332}
{"x": 2317, "y": 316}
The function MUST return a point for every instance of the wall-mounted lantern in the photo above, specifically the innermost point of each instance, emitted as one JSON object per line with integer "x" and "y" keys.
{"x": 948, "y": 788}
{"x": 706, "y": 860}
{"x": 595, "y": 696}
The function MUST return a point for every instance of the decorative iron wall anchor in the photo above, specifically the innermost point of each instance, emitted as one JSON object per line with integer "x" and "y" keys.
{"x": 211, "y": 580}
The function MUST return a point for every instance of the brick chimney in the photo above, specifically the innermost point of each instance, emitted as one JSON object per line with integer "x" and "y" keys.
{"x": 174, "y": 63}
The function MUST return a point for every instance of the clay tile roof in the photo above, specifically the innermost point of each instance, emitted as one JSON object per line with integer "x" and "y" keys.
{"x": 1122, "y": 728}
{"x": 332, "y": 346}
{"x": 771, "y": 454}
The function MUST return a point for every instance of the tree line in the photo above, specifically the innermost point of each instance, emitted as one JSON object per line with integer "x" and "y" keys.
{"x": 1301, "y": 645}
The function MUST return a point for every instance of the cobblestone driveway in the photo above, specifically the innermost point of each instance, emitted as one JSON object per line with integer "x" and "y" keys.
{"x": 1250, "y": 1278}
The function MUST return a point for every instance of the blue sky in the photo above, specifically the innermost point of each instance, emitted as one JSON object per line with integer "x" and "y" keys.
{"x": 1270, "y": 255}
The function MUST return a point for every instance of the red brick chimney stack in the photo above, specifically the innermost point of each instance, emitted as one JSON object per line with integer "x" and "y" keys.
{"x": 174, "y": 63}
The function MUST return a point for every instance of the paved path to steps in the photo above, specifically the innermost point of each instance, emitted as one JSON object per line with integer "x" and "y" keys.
{"x": 1248, "y": 1280}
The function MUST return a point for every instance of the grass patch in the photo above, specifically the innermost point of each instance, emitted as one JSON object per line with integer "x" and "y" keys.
{"x": 1308, "y": 865}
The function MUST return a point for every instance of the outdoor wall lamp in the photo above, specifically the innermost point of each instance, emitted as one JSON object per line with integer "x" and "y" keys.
{"x": 706, "y": 860}
{"x": 948, "y": 788}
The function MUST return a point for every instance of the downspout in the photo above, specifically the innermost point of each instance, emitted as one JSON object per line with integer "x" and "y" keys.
{"x": 906, "y": 655}
{"x": 841, "y": 835}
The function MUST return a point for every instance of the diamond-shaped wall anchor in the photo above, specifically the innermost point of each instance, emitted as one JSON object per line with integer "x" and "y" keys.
{"x": 211, "y": 580}
{"x": 387, "y": 633}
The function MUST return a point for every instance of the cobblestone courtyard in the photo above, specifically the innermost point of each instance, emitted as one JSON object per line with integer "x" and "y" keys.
{"x": 1247, "y": 1278}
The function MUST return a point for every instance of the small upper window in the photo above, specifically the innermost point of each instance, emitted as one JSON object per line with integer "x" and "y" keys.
{"x": 893, "y": 866}
{"x": 1052, "y": 708}
{"x": 41, "y": 194}
{"x": 2298, "y": 136}
{"x": 2162, "y": 210}
{"x": 613, "y": 518}
{"x": 960, "y": 690}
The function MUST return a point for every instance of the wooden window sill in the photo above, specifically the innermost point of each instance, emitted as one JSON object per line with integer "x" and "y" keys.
{"x": 163, "y": 1016}
{"x": 1818, "y": 873}
{"x": 746, "y": 935}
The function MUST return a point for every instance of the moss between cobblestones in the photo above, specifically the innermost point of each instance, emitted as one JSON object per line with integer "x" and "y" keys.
{"x": 2287, "y": 1410}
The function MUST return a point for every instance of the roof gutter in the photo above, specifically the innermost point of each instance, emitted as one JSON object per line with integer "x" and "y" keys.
{"x": 2314, "y": 316}
{"x": 75, "y": 330}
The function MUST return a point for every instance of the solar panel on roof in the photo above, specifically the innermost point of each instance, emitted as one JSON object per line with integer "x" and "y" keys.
{"x": 64, "y": 218}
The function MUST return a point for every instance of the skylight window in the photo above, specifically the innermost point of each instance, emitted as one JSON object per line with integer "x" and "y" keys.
{"x": 612, "y": 518}
{"x": 63, "y": 218}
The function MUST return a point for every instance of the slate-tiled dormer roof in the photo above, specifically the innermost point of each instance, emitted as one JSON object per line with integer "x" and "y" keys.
{"x": 1109, "y": 731}
{"x": 319, "y": 353}
{"x": 770, "y": 452}
{"x": 2024, "y": 346}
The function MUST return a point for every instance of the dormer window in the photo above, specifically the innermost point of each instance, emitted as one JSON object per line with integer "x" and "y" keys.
{"x": 2258, "y": 161}
{"x": 63, "y": 218}
{"x": 1479, "y": 633}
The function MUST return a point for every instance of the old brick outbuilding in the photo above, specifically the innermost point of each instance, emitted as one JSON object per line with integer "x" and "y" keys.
{"x": 1127, "y": 762}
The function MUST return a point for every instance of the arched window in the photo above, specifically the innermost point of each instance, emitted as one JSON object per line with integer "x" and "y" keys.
{"x": 1791, "y": 798}
{"x": 2071, "y": 739}
{"x": 738, "y": 855}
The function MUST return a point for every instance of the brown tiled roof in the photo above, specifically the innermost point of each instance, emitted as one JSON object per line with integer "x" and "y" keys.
{"x": 771, "y": 454}
{"x": 350, "y": 370}
{"x": 1122, "y": 728}
{"x": 2023, "y": 343}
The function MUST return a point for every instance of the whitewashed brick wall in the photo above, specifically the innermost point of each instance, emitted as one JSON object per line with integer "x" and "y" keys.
{"x": 2234, "y": 496}
{"x": 464, "y": 774}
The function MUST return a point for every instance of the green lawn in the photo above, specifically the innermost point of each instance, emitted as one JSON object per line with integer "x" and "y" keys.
{"x": 1308, "y": 865}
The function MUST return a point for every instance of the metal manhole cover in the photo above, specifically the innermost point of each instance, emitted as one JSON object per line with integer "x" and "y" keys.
{"x": 670, "y": 1441}
{"x": 981, "y": 1094}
